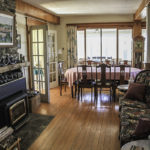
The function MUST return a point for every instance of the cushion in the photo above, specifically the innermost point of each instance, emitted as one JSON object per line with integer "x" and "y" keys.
{"x": 143, "y": 127}
{"x": 136, "y": 91}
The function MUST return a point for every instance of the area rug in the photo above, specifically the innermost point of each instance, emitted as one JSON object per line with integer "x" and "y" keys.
{"x": 32, "y": 129}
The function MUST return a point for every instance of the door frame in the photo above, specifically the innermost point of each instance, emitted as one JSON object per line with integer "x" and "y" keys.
{"x": 53, "y": 85}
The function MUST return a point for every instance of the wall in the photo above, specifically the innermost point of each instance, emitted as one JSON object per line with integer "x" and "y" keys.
{"x": 21, "y": 29}
{"x": 61, "y": 29}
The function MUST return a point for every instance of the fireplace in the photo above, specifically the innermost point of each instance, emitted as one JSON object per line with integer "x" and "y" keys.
{"x": 17, "y": 111}
{"x": 13, "y": 104}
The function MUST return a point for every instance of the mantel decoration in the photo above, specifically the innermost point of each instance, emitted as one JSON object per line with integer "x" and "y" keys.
{"x": 6, "y": 29}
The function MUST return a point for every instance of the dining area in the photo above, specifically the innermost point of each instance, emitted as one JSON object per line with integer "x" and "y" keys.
{"x": 99, "y": 76}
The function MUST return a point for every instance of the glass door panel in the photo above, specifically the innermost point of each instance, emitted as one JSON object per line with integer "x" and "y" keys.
{"x": 53, "y": 74}
{"x": 39, "y": 61}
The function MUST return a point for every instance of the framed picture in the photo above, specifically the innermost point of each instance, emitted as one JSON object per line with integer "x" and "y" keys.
{"x": 6, "y": 29}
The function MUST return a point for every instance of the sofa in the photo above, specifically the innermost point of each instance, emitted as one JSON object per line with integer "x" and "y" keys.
{"x": 134, "y": 111}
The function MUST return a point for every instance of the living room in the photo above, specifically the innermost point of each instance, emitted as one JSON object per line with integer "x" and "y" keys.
{"x": 45, "y": 45}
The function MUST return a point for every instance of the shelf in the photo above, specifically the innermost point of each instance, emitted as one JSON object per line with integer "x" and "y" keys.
{"x": 13, "y": 67}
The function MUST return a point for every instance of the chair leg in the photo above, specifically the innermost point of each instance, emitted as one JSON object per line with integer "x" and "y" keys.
{"x": 75, "y": 90}
{"x": 81, "y": 94}
{"x": 60, "y": 89}
{"x": 95, "y": 93}
{"x": 72, "y": 91}
{"x": 78, "y": 93}
{"x": 65, "y": 88}
{"x": 110, "y": 94}
{"x": 114, "y": 94}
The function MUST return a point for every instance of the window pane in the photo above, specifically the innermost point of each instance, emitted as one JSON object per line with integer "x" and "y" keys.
{"x": 109, "y": 43}
{"x": 35, "y": 61}
{"x": 41, "y": 61}
{"x": 145, "y": 43}
{"x": 40, "y": 35}
{"x": 125, "y": 44}
{"x": 41, "y": 49}
{"x": 34, "y": 35}
{"x": 80, "y": 44}
{"x": 93, "y": 44}
{"x": 35, "y": 51}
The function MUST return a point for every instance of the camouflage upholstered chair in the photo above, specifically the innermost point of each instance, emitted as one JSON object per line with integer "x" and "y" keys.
{"x": 133, "y": 110}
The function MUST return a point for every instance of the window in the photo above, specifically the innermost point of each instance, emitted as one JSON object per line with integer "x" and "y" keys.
{"x": 93, "y": 44}
{"x": 102, "y": 43}
{"x": 109, "y": 43}
{"x": 125, "y": 44}
{"x": 80, "y": 45}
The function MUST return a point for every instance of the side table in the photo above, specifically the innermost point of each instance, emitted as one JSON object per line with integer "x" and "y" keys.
{"x": 122, "y": 89}
{"x": 141, "y": 143}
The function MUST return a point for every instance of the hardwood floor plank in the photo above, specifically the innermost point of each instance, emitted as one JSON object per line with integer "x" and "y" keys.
{"x": 79, "y": 125}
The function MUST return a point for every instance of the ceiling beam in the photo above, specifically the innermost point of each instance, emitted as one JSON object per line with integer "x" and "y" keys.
{"x": 138, "y": 14}
{"x": 30, "y": 10}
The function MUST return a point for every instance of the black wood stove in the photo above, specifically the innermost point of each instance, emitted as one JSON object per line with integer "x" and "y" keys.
{"x": 13, "y": 103}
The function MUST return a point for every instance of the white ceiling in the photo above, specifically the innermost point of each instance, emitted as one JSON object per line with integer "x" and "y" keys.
{"x": 87, "y": 7}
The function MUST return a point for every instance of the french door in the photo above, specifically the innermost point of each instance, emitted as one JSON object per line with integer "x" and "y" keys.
{"x": 39, "y": 61}
{"x": 53, "y": 60}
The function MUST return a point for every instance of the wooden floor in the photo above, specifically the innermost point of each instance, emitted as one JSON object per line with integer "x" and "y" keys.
{"x": 79, "y": 125}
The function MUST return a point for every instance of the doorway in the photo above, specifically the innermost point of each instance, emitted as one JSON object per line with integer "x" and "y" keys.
{"x": 39, "y": 61}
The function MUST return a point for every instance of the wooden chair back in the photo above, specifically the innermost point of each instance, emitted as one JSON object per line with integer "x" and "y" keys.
{"x": 103, "y": 74}
{"x": 124, "y": 73}
{"x": 84, "y": 72}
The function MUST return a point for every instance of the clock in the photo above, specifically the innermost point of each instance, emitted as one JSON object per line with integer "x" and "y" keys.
{"x": 139, "y": 43}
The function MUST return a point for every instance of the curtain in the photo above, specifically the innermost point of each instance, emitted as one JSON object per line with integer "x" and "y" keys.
{"x": 72, "y": 46}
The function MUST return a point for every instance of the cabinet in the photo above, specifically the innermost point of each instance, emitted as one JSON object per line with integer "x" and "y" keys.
{"x": 138, "y": 51}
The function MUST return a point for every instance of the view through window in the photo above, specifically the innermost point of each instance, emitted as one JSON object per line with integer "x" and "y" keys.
{"x": 109, "y": 43}
{"x": 92, "y": 44}
{"x": 102, "y": 43}
{"x": 125, "y": 44}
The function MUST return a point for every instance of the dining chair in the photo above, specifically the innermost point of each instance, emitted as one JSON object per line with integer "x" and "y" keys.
{"x": 103, "y": 79}
{"x": 121, "y": 76}
{"x": 122, "y": 73}
{"x": 84, "y": 79}
{"x": 62, "y": 79}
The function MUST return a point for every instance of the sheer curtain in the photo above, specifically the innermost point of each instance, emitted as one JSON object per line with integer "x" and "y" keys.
{"x": 72, "y": 45}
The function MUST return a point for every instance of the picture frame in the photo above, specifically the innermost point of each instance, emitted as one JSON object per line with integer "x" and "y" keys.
{"x": 7, "y": 25}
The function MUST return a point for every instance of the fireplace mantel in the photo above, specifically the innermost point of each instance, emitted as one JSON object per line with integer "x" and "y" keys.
{"x": 13, "y": 67}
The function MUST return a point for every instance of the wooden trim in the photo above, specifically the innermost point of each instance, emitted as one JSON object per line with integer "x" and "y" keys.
{"x": 28, "y": 55}
{"x": 117, "y": 44}
{"x": 81, "y": 26}
{"x": 101, "y": 43}
{"x": 30, "y": 10}
{"x": 34, "y": 22}
{"x": 13, "y": 67}
{"x": 138, "y": 15}
{"x": 85, "y": 43}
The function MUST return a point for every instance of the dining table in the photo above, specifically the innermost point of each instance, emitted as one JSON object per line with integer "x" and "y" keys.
{"x": 71, "y": 73}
